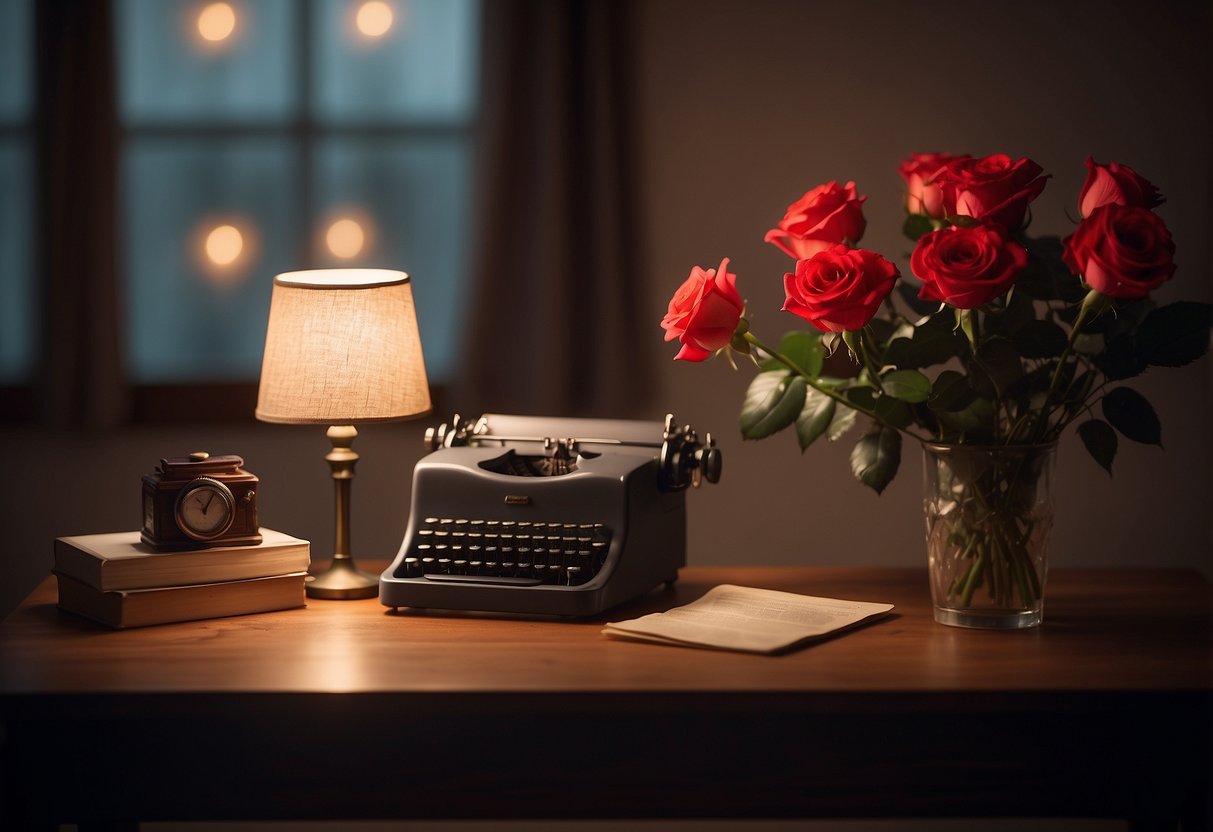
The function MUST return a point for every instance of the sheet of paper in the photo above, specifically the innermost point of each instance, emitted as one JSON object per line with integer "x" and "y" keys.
{"x": 752, "y": 620}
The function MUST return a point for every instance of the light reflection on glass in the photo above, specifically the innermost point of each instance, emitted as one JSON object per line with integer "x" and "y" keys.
{"x": 345, "y": 238}
{"x": 374, "y": 18}
{"x": 216, "y": 22}
{"x": 224, "y": 244}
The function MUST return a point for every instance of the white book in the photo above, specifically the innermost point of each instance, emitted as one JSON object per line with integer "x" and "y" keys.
{"x": 120, "y": 560}
{"x": 750, "y": 620}
{"x": 141, "y": 607}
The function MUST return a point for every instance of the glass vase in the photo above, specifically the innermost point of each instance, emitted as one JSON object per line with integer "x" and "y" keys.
{"x": 989, "y": 512}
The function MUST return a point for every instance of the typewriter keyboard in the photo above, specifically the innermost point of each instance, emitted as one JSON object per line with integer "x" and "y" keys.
{"x": 506, "y": 552}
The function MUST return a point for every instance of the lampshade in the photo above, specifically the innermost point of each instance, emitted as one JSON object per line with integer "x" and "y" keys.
{"x": 342, "y": 347}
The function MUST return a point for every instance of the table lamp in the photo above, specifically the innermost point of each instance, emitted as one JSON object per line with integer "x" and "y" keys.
{"x": 342, "y": 347}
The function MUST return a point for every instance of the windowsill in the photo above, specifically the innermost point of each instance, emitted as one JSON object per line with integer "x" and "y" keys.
{"x": 152, "y": 404}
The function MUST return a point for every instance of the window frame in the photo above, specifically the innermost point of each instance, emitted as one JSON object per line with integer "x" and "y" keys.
{"x": 207, "y": 400}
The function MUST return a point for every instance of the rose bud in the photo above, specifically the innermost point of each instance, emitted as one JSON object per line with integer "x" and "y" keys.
{"x": 839, "y": 289}
{"x": 991, "y": 189}
{"x": 1122, "y": 251}
{"x": 704, "y": 312}
{"x": 1115, "y": 184}
{"x": 823, "y": 217}
{"x": 923, "y": 194}
{"x": 966, "y": 267}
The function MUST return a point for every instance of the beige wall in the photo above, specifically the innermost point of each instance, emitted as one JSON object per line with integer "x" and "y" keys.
{"x": 748, "y": 105}
{"x": 744, "y": 106}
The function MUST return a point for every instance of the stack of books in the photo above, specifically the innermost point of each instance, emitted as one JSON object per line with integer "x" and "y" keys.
{"x": 120, "y": 581}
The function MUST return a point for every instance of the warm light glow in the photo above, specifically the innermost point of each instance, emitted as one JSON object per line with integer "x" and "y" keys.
{"x": 374, "y": 18}
{"x": 345, "y": 238}
{"x": 216, "y": 22}
{"x": 224, "y": 245}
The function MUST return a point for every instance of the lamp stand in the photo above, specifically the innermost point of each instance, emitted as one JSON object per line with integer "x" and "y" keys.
{"x": 342, "y": 580}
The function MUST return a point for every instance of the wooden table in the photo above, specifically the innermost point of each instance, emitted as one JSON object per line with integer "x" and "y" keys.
{"x": 345, "y": 710}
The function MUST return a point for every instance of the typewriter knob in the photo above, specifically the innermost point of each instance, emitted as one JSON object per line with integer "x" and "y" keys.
{"x": 710, "y": 460}
{"x": 684, "y": 459}
{"x": 435, "y": 438}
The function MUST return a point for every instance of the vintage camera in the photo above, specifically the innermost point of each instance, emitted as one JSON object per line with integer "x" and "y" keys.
{"x": 200, "y": 500}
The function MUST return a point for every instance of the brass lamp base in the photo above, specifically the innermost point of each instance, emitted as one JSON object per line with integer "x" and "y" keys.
{"x": 343, "y": 582}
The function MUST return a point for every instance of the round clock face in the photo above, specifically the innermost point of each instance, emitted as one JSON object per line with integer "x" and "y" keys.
{"x": 205, "y": 509}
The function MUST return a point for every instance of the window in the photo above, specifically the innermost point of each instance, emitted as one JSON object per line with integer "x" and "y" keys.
{"x": 256, "y": 137}
{"x": 18, "y": 312}
{"x": 262, "y": 136}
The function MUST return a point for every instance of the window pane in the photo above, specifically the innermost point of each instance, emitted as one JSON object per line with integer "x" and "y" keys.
{"x": 170, "y": 71}
{"x": 18, "y": 315}
{"x": 410, "y": 199}
{"x": 16, "y": 78}
{"x": 421, "y": 69}
{"x": 208, "y": 225}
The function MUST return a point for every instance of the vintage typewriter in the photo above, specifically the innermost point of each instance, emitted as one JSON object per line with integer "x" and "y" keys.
{"x": 524, "y": 514}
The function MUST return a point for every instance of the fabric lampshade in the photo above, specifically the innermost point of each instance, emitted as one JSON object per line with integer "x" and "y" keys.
{"x": 342, "y": 347}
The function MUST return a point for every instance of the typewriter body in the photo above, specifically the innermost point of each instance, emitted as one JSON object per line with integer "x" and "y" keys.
{"x": 532, "y": 515}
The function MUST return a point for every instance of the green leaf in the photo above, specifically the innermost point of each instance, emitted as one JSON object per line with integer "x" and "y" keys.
{"x": 863, "y": 397}
{"x": 815, "y": 417}
{"x": 934, "y": 342}
{"x": 973, "y": 420}
{"x": 1046, "y": 276}
{"x": 1004, "y": 317}
{"x": 880, "y": 329}
{"x": 801, "y": 348}
{"x": 844, "y": 419}
{"x": 996, "y": 369}
{"x": 876, "y": 457}
{"x": 772, "y": 402}
{"x": 1176, "y": 334}
{"x": 951, "y": 392}
{"x": 1039, "y": 339}
{"x": 1090, "y": 344}
{"x": 963, "y": 221}
{"x": 1120, "y": 359}
{"x": 917, "y": 226}
{"x": 1100, "y": 441}
{"x": 907, "y": 385}
{"x": 897, "y": 413}
{"x": 1133, "y": 416}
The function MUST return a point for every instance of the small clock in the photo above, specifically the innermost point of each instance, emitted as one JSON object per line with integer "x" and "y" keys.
{"x": 200, "y": 500}
{"x": 205, "y": 509}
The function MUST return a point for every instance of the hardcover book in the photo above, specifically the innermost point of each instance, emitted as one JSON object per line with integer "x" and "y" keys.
{"x": 120, "y": 560}
{"x": 142, "y": 607}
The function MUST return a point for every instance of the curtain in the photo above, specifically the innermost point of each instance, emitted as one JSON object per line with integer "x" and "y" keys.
{"x": 81, "y": 379}
{"x": 555, "y": 308}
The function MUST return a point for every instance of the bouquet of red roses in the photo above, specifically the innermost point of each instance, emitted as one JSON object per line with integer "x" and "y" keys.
{"x": 1003, "y": 339}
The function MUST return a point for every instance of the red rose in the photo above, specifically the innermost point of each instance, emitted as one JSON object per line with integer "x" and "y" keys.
{"x": 991, "y": 189}
{"x": 839, "y": 289}
{"x": 1122, "y": 251}
{"x": 923, "y": 194}
{"x": 1118, "y": 184}
{"x": 966, "y": 267}
{"x": 703, "y": 312}
{"x": 823, "y": 217}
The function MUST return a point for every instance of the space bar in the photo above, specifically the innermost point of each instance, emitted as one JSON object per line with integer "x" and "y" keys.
{"x": 502, "y": 580}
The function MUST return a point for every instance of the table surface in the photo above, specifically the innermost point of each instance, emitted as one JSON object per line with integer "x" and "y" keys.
{"x": 1128, "y": 630}
{"x": 1104, "y": 711}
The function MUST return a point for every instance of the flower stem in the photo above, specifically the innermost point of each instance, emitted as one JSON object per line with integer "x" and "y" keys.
{"x": 821, "y": 388}
{"x": 1092, "y": 305}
